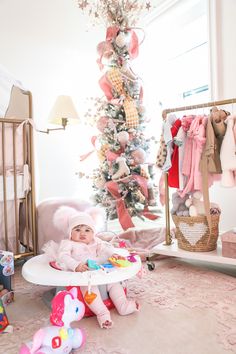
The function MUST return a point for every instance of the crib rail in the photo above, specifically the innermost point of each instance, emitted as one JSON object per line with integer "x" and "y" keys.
{"x": 17, "y": 188}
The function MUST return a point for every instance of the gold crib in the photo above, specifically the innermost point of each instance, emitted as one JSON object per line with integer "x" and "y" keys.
{"x": 17, "y": 180}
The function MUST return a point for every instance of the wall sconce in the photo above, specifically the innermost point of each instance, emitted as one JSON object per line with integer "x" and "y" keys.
{"x": 62, "y": 113}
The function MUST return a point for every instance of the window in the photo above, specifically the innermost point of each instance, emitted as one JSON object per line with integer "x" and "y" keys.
{"x": 176, "y": 70}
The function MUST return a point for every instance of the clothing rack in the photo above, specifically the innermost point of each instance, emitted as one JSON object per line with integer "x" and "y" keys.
{"x": 168, "y": 238}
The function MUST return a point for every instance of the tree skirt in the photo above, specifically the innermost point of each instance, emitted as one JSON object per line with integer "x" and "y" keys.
{"x": 172, "y": 285}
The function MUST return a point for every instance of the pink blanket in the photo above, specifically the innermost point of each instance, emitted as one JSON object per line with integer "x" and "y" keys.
{"x": 140, "y": 241}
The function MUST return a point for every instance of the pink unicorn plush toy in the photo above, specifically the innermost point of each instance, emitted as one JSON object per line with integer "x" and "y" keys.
{"x": 60, "y": 337}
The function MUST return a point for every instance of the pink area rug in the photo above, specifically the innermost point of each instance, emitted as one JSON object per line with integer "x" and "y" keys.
{"x": 177, "y": 283}
{"x": 171, "y": 285}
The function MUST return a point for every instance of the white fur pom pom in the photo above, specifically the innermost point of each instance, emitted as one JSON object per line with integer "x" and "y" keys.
{"x": 61, "y": 218}
{"x": 99, "y": 217}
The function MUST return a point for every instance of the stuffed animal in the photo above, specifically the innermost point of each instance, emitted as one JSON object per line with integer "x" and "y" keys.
{"x": 196, "y": 204}
{"x": 179, "y": 207}
{"x": 219, "y": 115}
{"x": 60, "y": 337}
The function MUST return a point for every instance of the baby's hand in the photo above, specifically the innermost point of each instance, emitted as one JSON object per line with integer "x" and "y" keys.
{"x": 81, "y": 268}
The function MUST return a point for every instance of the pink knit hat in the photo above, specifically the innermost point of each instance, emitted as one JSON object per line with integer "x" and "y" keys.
{"x": 66, "y": 218}
{"x": 81, "y": 218}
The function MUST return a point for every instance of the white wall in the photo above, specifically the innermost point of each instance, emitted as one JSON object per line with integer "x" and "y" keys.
{"x": 223, "y": 59}
{"x": 222, "y": 35}
{"x": 48, "y": 47}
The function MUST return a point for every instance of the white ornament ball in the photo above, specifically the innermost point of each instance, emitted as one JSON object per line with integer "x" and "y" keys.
{"x": 123, "y": 138}
{"x": 139, "y": 156}
{"x": 123, "y": 39}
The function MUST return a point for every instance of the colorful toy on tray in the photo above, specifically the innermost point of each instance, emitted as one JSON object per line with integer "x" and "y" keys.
{"x": 113, "y": 261}
{"x": 120, "y": 261}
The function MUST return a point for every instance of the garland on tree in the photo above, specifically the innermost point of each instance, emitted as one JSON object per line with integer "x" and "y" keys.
{"x": 122, "y": 182}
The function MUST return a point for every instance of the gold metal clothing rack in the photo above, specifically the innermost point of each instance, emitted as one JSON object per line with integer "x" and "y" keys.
{"x": 168, "y": 239}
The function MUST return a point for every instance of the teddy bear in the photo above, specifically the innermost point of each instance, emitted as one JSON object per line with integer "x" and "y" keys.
{"x": 218, "y": 115}
{"x": 196, "y": 205}
{"x": 179, "y": 207}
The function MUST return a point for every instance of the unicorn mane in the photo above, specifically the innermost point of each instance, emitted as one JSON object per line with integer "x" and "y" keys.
{"x": 58, "y": 308}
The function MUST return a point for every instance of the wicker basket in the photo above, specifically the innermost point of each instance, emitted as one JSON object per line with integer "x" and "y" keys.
{"x": 193, "y": 233}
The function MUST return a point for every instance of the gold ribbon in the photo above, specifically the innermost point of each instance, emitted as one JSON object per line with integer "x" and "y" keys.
{"x": 131, "y": 113}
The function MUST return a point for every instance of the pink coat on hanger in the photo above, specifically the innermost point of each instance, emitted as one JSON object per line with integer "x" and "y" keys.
{"x": 187, "y": 159}
{"x": 228, "y": 153}
{"x": 197, "y": 139}
{"x": 180, "y": 140}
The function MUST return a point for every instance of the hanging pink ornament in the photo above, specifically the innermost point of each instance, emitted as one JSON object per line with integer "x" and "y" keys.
{"x": 138, "y": 156}
{"x": 102, "y": 123}
{"x": 123, "y": 138}
{"x": 123, "y": 39}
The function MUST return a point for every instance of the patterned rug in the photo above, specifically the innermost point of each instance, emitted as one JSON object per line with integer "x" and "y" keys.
{"x": 172, "y": 284}
{"x": 176, "y": 283}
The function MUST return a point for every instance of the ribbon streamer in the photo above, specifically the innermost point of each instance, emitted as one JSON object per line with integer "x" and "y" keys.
{"x": 122, "y": 212}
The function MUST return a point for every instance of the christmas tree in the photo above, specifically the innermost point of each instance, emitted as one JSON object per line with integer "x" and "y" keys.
{"x": 123, "y": 181}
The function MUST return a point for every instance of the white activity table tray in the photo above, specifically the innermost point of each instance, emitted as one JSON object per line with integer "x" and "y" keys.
{"x": 37, "y": 270}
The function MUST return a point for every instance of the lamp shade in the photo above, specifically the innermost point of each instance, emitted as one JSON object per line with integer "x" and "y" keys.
{"x": 63, "y": 109}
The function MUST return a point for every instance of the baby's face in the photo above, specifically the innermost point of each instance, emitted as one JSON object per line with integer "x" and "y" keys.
{"x": 82, "y": 233}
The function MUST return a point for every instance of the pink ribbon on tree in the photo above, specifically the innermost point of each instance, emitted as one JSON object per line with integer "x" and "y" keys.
{"x": 111, "y": 156}
{"x": 122, "y": 212}
{"x": 142, "y": 182}
{"x": 147, "y": 214}
{"x": 112, "y": 32}
{"x": 134, "y": 45}
{"x": 121, "y": 209}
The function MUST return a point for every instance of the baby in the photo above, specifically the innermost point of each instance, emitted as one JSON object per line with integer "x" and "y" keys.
{"x": 81, "y": 246}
